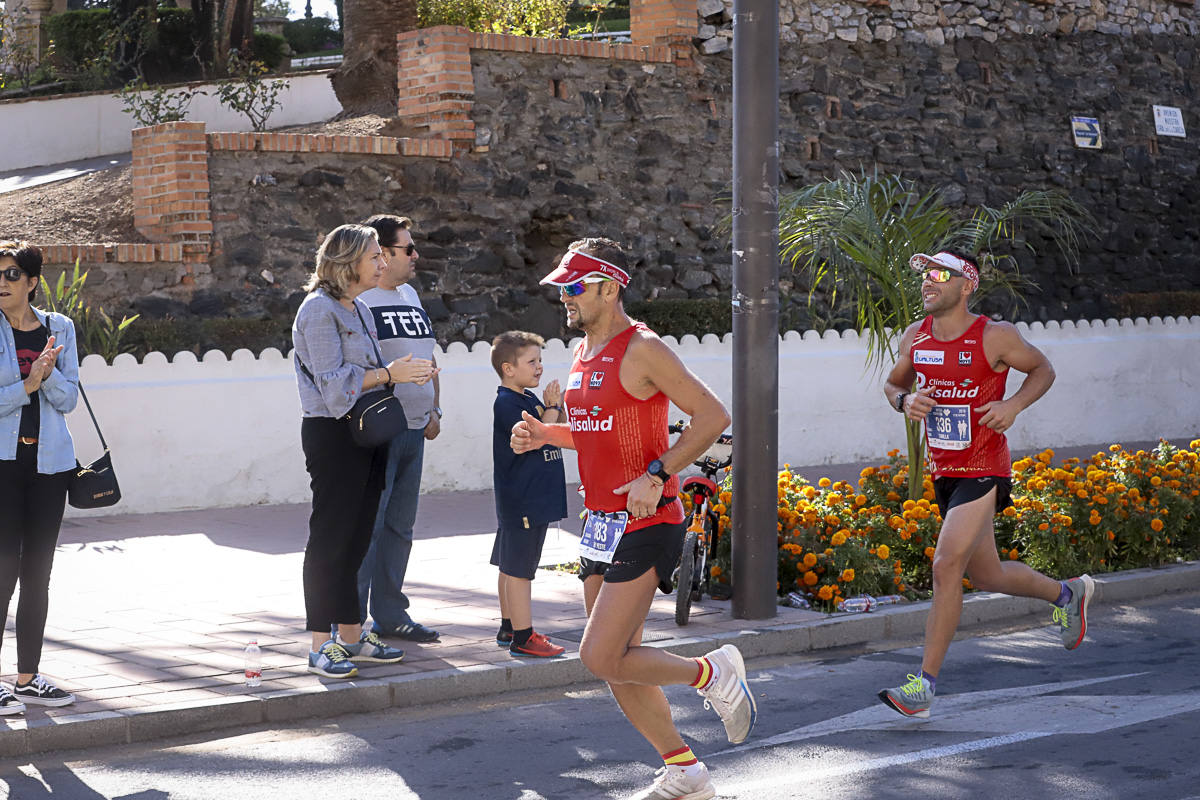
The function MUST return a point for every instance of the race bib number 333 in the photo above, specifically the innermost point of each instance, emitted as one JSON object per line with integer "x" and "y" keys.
{"x": 602, "y": 531}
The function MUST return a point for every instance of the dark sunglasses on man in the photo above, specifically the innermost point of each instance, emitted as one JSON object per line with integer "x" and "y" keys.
{"x": 408, "y": 249}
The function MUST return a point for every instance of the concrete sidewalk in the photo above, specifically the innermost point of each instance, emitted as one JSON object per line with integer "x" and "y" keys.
{"x": 150, "y": 615}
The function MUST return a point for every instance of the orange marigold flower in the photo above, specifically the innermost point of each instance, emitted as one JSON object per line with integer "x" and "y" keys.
{"x": 714, "y": 571}
{"x": 1012, "y": 554}
{"x": 1110, "y": 535}
{"x": 883, "y": 551}
{"x": 847, "y": 575}
{"x": 839, "y": 538}
{"x": 810, "y": 578}
{"x": 825, "y": 592}
{"x": 810, "y": 560}
{"x": 1156, "y": 524}
{"x": 929, "y": 552}
{"x": 824, "y": 483}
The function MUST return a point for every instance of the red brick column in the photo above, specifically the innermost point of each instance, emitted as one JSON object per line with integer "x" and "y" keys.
{"x": 170, "y": 183}
{"x": 669, "y": 22}
{"x": 437, "y": 89}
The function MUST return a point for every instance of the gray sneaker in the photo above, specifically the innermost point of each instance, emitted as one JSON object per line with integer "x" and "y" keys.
{"x": 728, "y": 694}
{"x": 913, "y": 699}
{"x": 1073, "y": 616}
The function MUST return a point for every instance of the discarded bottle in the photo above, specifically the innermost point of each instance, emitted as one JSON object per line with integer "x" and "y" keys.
{"x": 253, "y": 664}
{"x": 858, "y": 604}
{"x": 890, "y": 599}
{"x": 797, "y": 600}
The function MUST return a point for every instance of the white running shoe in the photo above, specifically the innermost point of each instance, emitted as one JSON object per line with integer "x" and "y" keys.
{"x": 673, "y": 783}
{"x": 728, "y": 694}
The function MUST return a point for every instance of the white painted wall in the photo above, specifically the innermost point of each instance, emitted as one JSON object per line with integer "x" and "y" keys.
{"x": 43, "y": 131}
{"x": 225, "y": 432}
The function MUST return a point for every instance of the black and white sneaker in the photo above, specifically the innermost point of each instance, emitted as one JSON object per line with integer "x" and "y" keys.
{"x": 8, "y": 703}
{"x": 41, "y": 692}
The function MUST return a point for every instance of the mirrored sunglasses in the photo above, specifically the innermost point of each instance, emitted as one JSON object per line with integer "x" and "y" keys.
{"x": 940, "y": 275}
{"x": 12, "y": 274}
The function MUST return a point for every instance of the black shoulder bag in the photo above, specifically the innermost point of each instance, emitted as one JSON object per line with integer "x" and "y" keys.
{"x": 377, "y": 416}
{"x": 94, "y": 485}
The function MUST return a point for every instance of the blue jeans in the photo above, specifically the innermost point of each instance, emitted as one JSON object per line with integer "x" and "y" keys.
{"x": 381, "y": 576}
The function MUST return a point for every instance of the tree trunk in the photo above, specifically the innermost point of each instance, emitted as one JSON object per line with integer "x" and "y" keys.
{"x": 366, "y": 81}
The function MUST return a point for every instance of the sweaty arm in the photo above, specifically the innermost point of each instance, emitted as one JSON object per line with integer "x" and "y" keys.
{"x": 1005, "y": 347}
{"x": 900, "y": 380}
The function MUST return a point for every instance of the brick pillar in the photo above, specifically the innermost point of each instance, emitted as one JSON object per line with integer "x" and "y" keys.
{"x": 170, "y": 183}
{"x": 436, "y": 87}
{"x": 669, "y": 22}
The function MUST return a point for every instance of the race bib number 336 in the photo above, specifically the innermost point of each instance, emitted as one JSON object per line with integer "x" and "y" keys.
{"x": 949, "y": 427}
{"x": 602, "y": 531}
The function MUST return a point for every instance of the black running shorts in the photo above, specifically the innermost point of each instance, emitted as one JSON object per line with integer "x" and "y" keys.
{"x": 951, "y": 492}
{"x": 656, "y": 546}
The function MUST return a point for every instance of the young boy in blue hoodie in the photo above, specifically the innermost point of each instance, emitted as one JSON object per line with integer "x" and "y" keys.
{"x": 530, "y": 489}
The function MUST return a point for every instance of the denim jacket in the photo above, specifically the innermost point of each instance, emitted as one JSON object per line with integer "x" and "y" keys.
{"x": 58, "y": 395}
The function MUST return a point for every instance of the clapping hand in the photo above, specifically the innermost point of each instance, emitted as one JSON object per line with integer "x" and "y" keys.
{"x": 553, "y": 395}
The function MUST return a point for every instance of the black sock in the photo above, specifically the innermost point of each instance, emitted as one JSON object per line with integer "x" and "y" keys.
{"x": 522, "y": 636}
{"x": 505, "y": 625}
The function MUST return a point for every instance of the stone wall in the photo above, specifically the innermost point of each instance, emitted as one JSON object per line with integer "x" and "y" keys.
{"x": 636, "y": 145}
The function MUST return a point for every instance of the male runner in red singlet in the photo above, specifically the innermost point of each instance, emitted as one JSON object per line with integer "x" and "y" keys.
{"x": 960, "y": 364}
{"x": 617, "y": 395}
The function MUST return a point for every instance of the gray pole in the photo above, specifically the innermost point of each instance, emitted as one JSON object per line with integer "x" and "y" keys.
{"x": 755, "y": 306}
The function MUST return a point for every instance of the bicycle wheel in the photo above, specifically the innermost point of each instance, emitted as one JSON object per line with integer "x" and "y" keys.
{"x": 687, "y": 570}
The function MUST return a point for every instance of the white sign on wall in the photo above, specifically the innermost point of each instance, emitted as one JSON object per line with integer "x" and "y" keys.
{"x": 1168, "y": 121}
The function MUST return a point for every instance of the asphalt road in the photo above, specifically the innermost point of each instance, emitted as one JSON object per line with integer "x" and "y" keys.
{"x": 1018, "y": 717}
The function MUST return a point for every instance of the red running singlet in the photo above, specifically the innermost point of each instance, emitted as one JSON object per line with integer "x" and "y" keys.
{"x": 616, "y": 435}
{"x": 963, "y": 380}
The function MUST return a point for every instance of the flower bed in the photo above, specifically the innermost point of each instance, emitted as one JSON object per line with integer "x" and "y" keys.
{"x": 1116, "y": 510}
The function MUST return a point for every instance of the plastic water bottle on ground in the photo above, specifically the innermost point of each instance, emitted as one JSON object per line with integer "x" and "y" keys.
{"x": 253, "y": 664}
{"x": 861, "y": 603}
{"x": 890, "y": 599}
{"x": 797, "y": 600}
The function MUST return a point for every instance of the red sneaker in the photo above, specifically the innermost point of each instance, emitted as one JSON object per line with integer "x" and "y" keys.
{"x": 538, "y": 646}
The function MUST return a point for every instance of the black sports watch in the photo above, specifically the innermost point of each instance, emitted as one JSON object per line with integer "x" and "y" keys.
{"x": 899, "y": 406}
{"x": 655, "y": 468}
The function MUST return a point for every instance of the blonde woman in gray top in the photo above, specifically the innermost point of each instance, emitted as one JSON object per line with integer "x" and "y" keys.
{"x": 335, "y": 362}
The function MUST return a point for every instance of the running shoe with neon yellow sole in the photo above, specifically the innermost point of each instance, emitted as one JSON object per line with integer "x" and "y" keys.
{"x": 1073, "y": 616}
{"x": 370, "y": 647}
{"x": 673, "y": 783}
{"x": 729, "y": 695}
{"x": 332, "y": 661}
{"x": 913, "y": 699}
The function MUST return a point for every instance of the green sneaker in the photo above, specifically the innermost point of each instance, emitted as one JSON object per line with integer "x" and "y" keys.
{"x": 1073, "y": 616}
{"x": 913, "y": 699}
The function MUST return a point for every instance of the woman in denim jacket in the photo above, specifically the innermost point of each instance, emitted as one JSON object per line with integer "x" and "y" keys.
{"x": 39, "y": 385}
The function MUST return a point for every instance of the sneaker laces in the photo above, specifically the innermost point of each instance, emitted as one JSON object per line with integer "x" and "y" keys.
{"x": 915, "y": 686}
{"x": 335, "y": 652}
{"x": 1061, "y": 616}
{"x": 372, "y": 638}
{"x": 41, "y": 685}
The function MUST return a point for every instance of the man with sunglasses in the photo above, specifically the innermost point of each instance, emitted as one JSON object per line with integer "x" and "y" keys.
{"x": 404, "y": 333}
{"x": 617, "y": 399}
{"x": 951, "y": 375}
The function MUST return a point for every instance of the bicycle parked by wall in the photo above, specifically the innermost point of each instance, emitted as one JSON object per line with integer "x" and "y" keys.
{"x": 692, "y": 578}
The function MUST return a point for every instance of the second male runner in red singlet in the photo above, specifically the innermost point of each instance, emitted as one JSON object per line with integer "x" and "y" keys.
{"x": 959, "y": 362}
{"x": 617, "y": 396}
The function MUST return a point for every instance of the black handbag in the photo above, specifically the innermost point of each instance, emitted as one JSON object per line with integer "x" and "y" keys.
{"x": 94, "y": 485}
{"x": 377, "y": 416}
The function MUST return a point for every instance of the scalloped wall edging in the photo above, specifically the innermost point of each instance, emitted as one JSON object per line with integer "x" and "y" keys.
{"x": 688, "y": 341}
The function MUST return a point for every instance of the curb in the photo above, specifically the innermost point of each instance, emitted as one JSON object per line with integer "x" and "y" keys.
{"x": 28, "y": 737}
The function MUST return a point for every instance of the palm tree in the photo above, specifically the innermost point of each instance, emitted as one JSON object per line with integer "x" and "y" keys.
{"x": 366, "y": 80}
{"x": 851, "y": 237}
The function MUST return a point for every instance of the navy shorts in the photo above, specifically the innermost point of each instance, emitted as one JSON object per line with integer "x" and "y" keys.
{"x": 951, "y": 492}
{"x": 658, "y": 546}
{"x": 518, "y": 549}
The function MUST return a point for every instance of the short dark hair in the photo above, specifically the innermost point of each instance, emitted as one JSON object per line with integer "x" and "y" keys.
{"x": 28, "y": 257}
{"x": 387, "y": 225}
{"x": 508, "y": 345}
{"x": 605, "y": 250}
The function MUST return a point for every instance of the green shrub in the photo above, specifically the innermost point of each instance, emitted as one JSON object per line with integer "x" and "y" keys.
{"x": 80, "y": 35}
{"x": 247, "y": 93}
{"x": 520, "y": 17}
{"x": 270, "y": 48}
{"x": 176, "y": 50}
{"x": 679, "y": 317}
{"x": 153, "y": 106}
{"x": 199, "y": 335}
{"x": 95, "y": 331}
{"x": 311, "y": 35}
